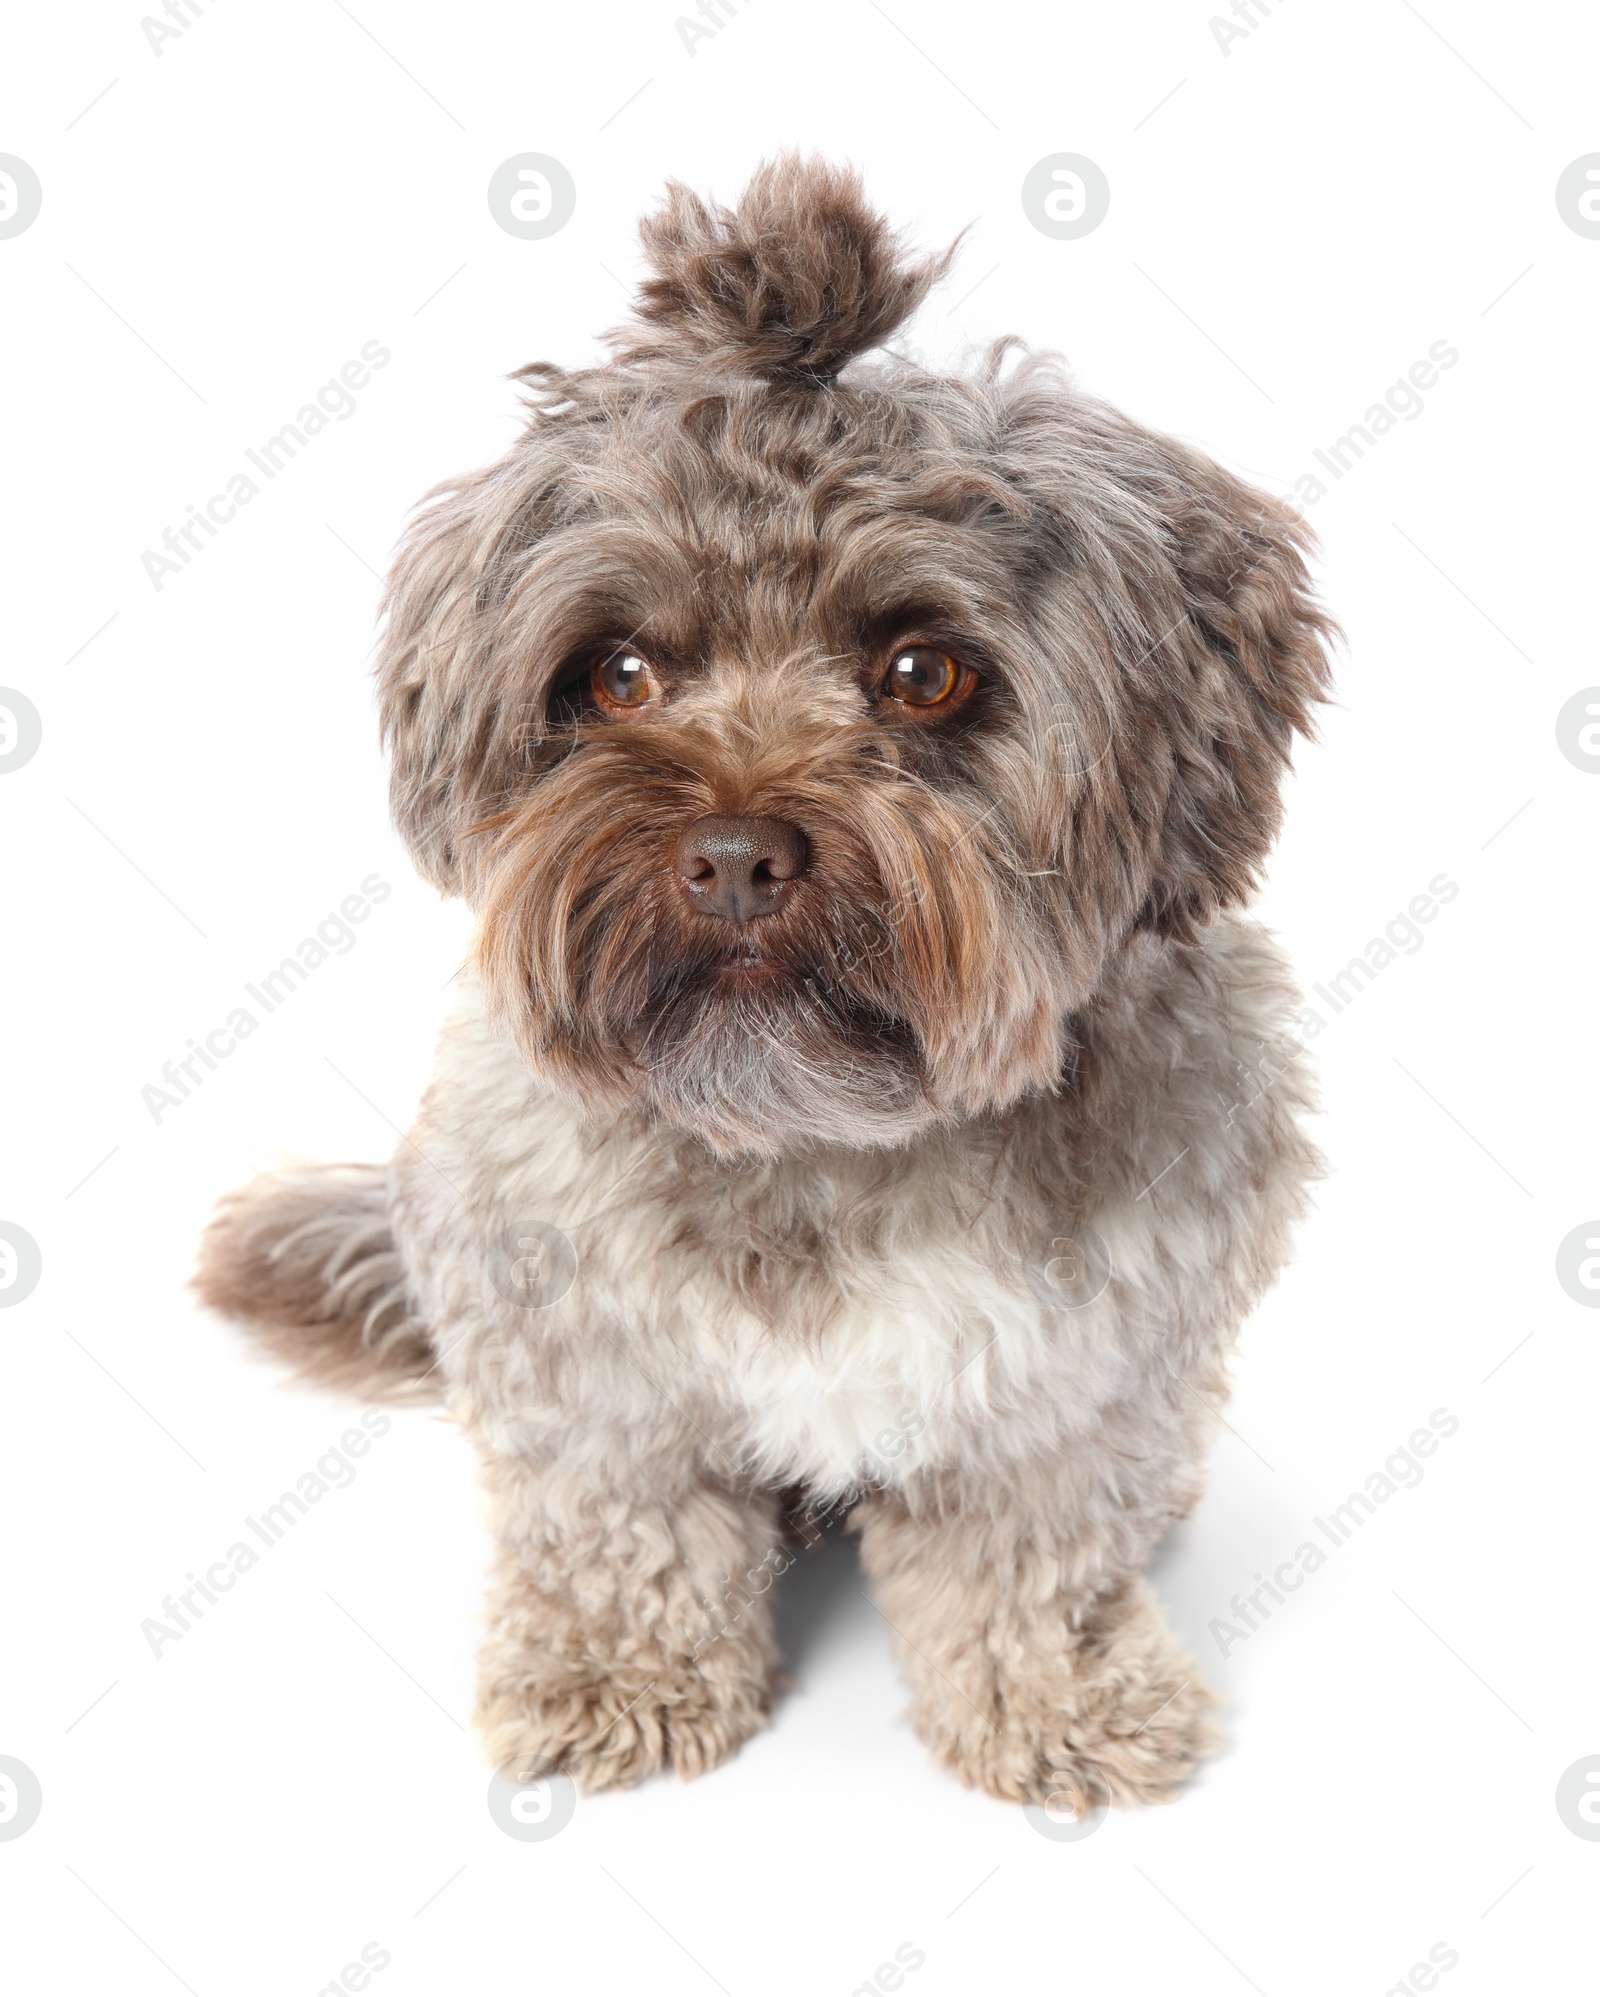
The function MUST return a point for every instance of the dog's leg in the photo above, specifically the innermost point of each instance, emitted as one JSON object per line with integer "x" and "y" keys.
{"x": 629, "y": 1626}
{"x": 1040, "y": 1664}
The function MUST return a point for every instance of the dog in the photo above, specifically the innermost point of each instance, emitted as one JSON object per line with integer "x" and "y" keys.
{"x": 866, "y": 1084}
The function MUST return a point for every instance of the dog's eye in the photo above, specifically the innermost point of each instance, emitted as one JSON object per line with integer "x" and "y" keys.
{"x": 625, "y": 679}
{"x": 921, "y": 676}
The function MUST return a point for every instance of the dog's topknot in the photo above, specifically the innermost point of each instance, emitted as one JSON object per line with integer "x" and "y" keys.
{"x": 788, "y": 286}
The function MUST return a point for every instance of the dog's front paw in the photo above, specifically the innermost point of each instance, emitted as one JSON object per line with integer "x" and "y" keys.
{"x": 1122, "y": 1717}
{"x": 608, "y": 1730}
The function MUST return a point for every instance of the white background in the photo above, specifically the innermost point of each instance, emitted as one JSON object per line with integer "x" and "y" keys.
{"x": 1292, "y": 225}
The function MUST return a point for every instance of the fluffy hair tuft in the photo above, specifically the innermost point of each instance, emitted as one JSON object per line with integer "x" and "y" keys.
{"x": 788, "y": 286}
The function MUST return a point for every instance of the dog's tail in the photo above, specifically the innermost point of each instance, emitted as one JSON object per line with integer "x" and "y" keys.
{"x": 307, "y": 1262}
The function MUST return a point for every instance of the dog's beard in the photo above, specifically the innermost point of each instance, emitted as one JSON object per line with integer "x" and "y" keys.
{"x": 757, "y": 1061}
{"x": 779, "y": 1034}
{"x": 903, "y": 983}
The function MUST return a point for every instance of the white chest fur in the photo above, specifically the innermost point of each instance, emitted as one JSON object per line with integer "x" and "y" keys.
{"x": 891, "y": 1378}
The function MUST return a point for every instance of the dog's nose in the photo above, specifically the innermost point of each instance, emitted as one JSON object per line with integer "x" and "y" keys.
{"x": 740, "y": 868}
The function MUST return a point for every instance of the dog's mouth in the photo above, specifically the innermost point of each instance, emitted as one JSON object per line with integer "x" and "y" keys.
{"x": 758, "y": 956}
{"x": 750, "y": 972}
{"x": 750, "y": 961}
{"x": 693, "y": 985}
{"x": 779, "y": 998}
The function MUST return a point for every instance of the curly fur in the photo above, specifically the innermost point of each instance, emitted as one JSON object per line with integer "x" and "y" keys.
{"x": 1006, "y": 1010}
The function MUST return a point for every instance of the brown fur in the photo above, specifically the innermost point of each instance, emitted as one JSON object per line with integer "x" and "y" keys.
{"x": 307, "y": 1260}
{"x": 1011, "y": 1007}
{"x": 795, "y": 281}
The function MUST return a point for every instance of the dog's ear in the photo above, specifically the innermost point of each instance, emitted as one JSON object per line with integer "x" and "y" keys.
{"x": 448, "y": 691}
{"x": 431, "y": 631}
{"x": 1177, "y": 601}
{"x": 788, "y": 286}
{"x": 1246, "y": 669}
{"x": 1187, "y": 648}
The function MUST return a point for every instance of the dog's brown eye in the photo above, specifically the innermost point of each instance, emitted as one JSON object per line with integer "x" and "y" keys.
{"x": 921, "y": 676}
{"x": 625, "y": 679}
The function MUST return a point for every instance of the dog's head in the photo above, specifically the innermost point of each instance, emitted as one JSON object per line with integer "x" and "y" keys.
{"x": 812, "y": 735}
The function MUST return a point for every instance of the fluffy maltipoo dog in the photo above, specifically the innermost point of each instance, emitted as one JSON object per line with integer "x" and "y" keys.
{"x": 866, "y": 1089}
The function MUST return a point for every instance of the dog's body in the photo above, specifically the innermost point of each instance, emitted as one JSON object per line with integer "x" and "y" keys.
{"x": 938, "y": 1163}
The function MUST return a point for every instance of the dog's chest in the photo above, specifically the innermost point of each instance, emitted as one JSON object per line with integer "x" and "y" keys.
{"x": 871, "y": 1392}
{"x": 882, "y": 1383}
{"x": 838, "y": 1326}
